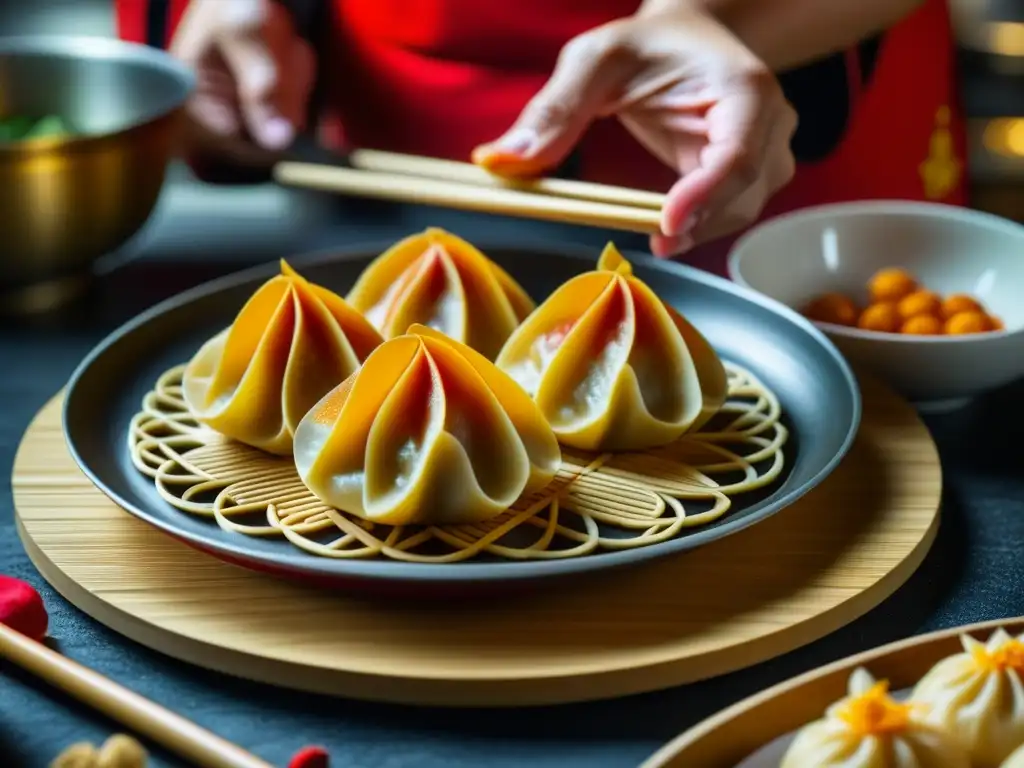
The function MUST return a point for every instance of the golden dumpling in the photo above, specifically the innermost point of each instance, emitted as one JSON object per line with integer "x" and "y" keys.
{"x": 613, "y": 367}
{"x": 439, "y": 280}
{"x": 290, "y": 344}
{"x": 426, "y": 431}
{"x": 978, "y": 696}
{"x": 868, "y": 729}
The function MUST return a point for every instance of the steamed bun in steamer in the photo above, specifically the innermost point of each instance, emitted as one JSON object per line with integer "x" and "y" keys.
{"x": 978, "y": 696}
{"x": 868, "y": 729}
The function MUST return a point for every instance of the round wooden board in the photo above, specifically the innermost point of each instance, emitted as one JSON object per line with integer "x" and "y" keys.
{"x": 771, "y": 588}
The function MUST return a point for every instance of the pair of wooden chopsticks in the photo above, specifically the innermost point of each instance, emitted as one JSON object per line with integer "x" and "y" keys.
{"x": 162, "y": 726}
{"x": 423, "y": 180}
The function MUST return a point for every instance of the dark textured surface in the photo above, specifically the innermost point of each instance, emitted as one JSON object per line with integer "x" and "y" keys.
{"x": 974, "y": 572}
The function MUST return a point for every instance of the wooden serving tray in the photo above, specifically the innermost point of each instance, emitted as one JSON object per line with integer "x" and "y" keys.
{"x": 846, "y": 546}
{"x": 729, "y": 737}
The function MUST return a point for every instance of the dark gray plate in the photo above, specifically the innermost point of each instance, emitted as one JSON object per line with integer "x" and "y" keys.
{"x": 818, "y": 391}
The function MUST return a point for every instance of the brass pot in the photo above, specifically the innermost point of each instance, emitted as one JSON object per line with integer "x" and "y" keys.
{"x": 65, "y": 202}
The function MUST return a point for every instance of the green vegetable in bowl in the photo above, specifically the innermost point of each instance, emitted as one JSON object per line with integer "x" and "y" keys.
{"x": 50, "y": 126}
{"x": 22, "y": 128}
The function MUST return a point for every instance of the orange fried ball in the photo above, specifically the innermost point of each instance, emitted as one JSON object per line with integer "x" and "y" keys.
{"x": 968, "y": 322}
{"x": 959, "y": 302}
{"x": 832, "y": 308}
{"x": 922, "y": 325}
{"x": 997, "y": 324}
{"x": 882, "y": 317}
{"x": 919, "y": 303}
{"x": 891, "y": 285}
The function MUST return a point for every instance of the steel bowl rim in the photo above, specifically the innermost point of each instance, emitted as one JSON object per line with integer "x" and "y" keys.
{"x": 390, "y": 571}
{"x": 101, "y": 49}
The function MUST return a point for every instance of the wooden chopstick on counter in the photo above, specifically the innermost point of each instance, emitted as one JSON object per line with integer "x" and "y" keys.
{"x": 428, "y": 181}
{"x": 141, "y": 715}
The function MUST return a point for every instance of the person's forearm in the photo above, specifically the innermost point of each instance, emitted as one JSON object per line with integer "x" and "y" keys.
{"x": 788, "y": 33}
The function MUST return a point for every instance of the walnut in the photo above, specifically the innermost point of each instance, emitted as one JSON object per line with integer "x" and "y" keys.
{"x": 76, "y": 756}
{"x": 119, "y": 751}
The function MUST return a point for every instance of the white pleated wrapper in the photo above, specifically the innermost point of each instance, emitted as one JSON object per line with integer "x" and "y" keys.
{"x": 832, "y": 743}
{"x": 977, "y": 700}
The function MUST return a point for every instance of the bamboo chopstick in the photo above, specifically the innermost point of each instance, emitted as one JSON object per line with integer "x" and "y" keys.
{"x": 467, "y": 173}
{"x": 162, "y": 726}
{"x": 412, "y": 188}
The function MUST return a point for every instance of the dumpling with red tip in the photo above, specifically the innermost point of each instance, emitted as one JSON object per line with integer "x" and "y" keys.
{"x": 612, "y": 367}
{"x": 439, "y": 280}
{"x": 289, "y": 345}
{"x": 427, "y": 431}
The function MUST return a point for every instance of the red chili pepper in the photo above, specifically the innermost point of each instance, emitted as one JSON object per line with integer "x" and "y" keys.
{"x": 310, "y": 757}
{"x": 21, "y": 608}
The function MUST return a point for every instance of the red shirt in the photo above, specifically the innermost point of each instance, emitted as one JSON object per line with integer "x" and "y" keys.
{"x": 438, "y": 77}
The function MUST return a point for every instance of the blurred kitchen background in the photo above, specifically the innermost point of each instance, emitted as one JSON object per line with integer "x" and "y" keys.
{"x": 991, "y": 41}
{"x": 192, "y": 215}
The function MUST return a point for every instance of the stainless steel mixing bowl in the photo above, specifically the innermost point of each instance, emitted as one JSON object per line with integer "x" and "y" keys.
{"x": 64, "y": 202}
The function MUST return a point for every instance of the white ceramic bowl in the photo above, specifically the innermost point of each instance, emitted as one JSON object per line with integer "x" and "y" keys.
{"x": 797, "y": 256}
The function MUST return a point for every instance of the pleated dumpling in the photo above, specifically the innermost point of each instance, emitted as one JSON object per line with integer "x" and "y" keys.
{"x": 868, "y": 729}
{"x": 439, "y": 280}
{"x": 289, "y": 345}
{"x": 612, "y": 366}
{"x": 978, "y": 696}
{"x": 427, "y": 431}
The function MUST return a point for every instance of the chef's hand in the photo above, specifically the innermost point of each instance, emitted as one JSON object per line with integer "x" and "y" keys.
{"x": 254, "y": 78}
{"x": 691, "y": 93}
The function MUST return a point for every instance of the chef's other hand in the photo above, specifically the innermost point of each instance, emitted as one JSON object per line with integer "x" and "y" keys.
{"x": 691, "y": 93}
{"x": 254, "y": 78}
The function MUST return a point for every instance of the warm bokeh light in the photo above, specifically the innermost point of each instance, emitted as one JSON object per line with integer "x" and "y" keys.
{"x": 1005, "y": 136}
{"x": 1006, "y": 38}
